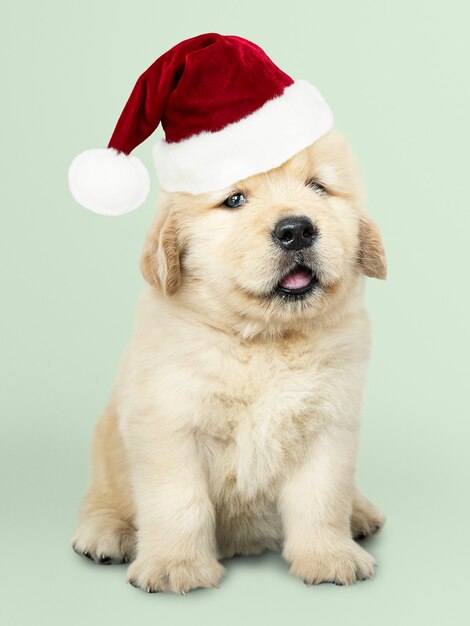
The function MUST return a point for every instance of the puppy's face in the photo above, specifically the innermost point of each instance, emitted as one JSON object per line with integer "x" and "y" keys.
{"x": 276, "y": 248}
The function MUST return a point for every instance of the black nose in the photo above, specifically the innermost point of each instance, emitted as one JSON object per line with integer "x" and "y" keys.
{"x": 294, "y": 233}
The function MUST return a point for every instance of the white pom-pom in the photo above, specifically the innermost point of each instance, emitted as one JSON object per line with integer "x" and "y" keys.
{"x": 108, "y": 182}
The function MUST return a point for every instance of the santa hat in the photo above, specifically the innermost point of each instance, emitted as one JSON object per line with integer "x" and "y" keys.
{"x": 228, "y": 112}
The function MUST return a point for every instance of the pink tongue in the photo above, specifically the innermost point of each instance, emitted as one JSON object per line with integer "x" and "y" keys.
{"x": 296, "y": 280}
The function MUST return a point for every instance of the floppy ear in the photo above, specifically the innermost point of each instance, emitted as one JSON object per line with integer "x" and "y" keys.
{"x": 160, "y": 261}
{"x": 371, "y": 251}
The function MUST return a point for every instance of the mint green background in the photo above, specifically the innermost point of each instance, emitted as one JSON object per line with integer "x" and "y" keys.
{"x": 396, "y": 76}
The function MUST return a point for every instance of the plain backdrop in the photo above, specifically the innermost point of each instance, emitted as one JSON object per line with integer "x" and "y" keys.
{"x": 396, "y": 76}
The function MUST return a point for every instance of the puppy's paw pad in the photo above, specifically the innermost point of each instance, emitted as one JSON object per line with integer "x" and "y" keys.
{"x": 341, "y": 566}
{"x": 104, "y": 541}
{"x": 177, "y": 576}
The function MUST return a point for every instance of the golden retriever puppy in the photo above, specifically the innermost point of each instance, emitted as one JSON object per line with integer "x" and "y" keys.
{"x": 233, "y": 425}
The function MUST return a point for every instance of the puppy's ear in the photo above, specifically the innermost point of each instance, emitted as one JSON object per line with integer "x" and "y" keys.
{"x": 371, "y": 251}
{"x": 160, "y": 261}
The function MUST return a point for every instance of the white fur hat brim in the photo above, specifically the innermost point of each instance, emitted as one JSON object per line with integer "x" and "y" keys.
{"x": 257, "y": 143}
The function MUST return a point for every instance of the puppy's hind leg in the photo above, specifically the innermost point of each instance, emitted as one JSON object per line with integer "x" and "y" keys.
{"x": 105, "y": 532}
{"x": 366, "y": 519}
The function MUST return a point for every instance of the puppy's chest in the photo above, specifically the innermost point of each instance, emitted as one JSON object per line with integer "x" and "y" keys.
{"x": 256, "y": 413}
{"x": 253, "y": 397}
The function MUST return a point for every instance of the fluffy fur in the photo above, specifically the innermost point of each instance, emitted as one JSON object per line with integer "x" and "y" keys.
{"x": 233, "y": 425}
{"x": 256, "y": 143}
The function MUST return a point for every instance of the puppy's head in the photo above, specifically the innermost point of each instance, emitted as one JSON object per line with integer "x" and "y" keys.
{"x": 275, "y": 249}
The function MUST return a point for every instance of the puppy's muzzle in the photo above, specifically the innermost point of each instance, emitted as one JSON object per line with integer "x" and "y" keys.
{"x": 295, "y": 233}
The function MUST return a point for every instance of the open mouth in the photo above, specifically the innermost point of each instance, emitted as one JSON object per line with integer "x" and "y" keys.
{"x": 298, "y": 283}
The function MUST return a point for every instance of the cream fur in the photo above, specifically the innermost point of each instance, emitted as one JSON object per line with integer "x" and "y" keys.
{"x": 257, "y": 143}
{"x": 233, "y": 425}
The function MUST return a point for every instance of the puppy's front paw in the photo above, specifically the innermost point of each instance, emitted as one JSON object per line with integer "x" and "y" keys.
{"x": 179, "y": 576}
{"x": 341, "y": 564}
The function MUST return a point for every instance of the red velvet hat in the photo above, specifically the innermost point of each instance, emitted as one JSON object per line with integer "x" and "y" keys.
{"x": 228, "y": 112}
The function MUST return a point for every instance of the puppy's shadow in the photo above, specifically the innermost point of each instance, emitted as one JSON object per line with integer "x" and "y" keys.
{"x": 270, "y": 559}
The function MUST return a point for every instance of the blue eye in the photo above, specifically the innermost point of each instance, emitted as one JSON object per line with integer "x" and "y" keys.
{"x": 234, "y": 201}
